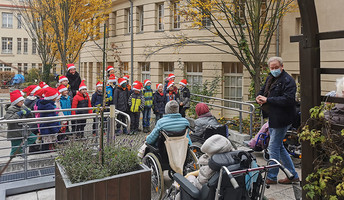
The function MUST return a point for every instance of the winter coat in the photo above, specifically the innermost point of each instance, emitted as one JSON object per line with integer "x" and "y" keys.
{"x": 66, "y": 103}
{"x": 97, "y": 99}
{"x": 81, "y": 101}
{"x": 159, "y": 103}
{"x": 184, "y": 97}
{"x": 45, "y": 127}
{"x": 110, "y": 92}
{"x": 74, "y": 82}
{"x": 148, "y": 94}
{"x": 30, "y": 102}
{"x": 136, "y": 102}
{"x": 203, "y": 121}
{"x": 336, "y": 114}
{"x": 11, "y": 113}
{"x": 121, "y": 98}
{"x": 174, "y": 96}
{"x": 280, "y": 107}
{"x": 169, "y": 122}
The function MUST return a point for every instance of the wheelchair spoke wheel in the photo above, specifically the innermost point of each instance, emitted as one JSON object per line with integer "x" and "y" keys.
{"x": 191, "y": 162}
{"x": 157, "y": 188}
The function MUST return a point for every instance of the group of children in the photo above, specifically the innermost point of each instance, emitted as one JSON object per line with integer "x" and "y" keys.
{"x": 129, "y": 99}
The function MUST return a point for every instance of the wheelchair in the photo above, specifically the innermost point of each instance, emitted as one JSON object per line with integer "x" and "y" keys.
{"x": 157, "y": 159}
{"x": 236, "y": 178}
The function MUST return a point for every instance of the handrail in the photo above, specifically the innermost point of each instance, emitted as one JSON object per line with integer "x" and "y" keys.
{"x": 240, "y": 110}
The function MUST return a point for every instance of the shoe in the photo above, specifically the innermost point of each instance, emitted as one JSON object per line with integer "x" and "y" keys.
{"x": 132, "y": 132}
{"x": 145, "y": 130}
{"x": 125, "y": 131}
{"x": 118, "y": 132}
{"x": 288, "y": 181}
{"x": 270, "y": 182}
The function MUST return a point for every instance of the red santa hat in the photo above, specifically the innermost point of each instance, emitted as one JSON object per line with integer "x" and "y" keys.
{"x": 137, "y": 87}
{"x": 62, "y": 88}
{"x": 31, "y": 89}
{"x": 170, "y": 84}
{"x": 171, "y": 76}
{"x": 43, "y": 85}
{"x": 50, "y": 93}
{"x": 126, "y": 77}
{"x": 109, "y": 68}
{"x": 183, "y": 82}
{"x": 112, "y": 78}
{"x": 146, "y": 82}
{"x": 63, "y": 78}
{"x": 158, "y": 85}
{"x": 70, "y": 66}
{"x": 99, "y": 84}
{"x": 82, "y": 85}
{"x": 16, "y": 97}
{"x": 136, "y": 82}
{"x": 121, "y": 81}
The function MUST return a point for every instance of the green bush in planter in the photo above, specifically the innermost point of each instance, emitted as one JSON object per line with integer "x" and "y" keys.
{"x": 81, "y": 161}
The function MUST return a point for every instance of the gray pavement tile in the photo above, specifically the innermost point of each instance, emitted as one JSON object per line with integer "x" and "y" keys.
{"x": 47, "y": 194}
{"x": 26, "y": 196}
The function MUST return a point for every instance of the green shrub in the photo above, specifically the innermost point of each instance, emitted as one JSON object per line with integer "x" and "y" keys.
{"x": 81, "y": 161}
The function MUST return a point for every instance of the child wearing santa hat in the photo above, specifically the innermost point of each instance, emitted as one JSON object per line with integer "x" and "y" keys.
{"x": 17, "y": 110}
{"x": 121, "y": 96}
{"x": 110, "y": 70}
{"x": 126, "y": 77}
{"x": 73, "y": 78}
{"x": 110, "y": 89}
{"x": 65, "y": 103}
{"x": 171, "y": 94}
{"x": 159, "y": 102}
{"x": 63, "y": 80}
{"x": 184, "y": 97}
{"x": 136, "y": 105}
{"x": 97, "y": 100}
{"x": 148, "y": 94}
{"x": 81, "y": 100}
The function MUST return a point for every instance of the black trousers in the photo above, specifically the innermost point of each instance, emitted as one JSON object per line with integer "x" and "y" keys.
{"x": 123, "y": 119}
{"x": 182, "y": 110}
{"x": 79, "y": 127}
{"x": 135, "y": 120}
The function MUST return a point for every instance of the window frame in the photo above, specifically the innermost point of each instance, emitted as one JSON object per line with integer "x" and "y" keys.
{"x": 160, "y": 16}
{"x": 144, "y": 73}
{"x": 176, "y": 16}
{"x": 8, "y": 17}
{"x": 236, "y": 75}
{"x": 19, "y": 21}
{"x": 192, "y": 73}
{"x": 25, "y": 46}
{"x": 8, "y": 47}
{"x": 34, "y": 46}
{"x": 19, "y": 46}
{"x": 141, "y": 19}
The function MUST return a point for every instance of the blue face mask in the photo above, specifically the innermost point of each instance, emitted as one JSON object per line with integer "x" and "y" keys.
{"x": 276, "y": 72}
{"x": 148, "y": 87}
{"x": 124, "y": 85}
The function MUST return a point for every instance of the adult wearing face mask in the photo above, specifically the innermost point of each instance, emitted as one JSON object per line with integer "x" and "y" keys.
{"x": 277, "y": 98}
{"x": 184, "y": 97}
{"x": 73, "y": 78}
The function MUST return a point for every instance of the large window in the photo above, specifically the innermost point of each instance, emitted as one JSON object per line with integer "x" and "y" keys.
{"x": 7, "y": 44}
{"x": 26, "y": 44}
{"x": 125, "y": 68}
{"x": 19, "y": 45}
{"x": 128, "y": 17}
{"x": 145, "y": 70}
{"x": 19, "y": 18}
{"x": 239, "y": 12}
{"x": 34, "y": 46}
{"x": 33, "y": 65}
{"x": 233, "y": 86}
{"x": 167, "y": 67}
{"x": 4, "y": 67}
{"x": 194, "y": 73}
{"x": 141, "y": 18}
{"x": 160, "y": 19}
{"x": 7, "y": 20}
{"x": 176, "y": 16}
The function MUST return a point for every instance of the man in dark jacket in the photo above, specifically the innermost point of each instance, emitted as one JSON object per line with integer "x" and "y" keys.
{"x": 277, "y": 98}
{"x": 121, "y": 97}
{"x": 73, "y": 78}
{"x": 159, "y": 102}
{"x": 184, "y": 97}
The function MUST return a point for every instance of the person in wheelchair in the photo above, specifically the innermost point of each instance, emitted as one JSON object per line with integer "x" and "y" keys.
{"x": 172, "y": 121}
{"x": 205, "y": 118}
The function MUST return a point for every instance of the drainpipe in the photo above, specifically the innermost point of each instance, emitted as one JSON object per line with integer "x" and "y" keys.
{"x": 277, "y": 39}
{"x": 132, "y": 40}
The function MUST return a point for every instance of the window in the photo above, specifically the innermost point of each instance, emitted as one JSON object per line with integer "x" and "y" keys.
{"x": 25, "y": 46}
{"x": 19, "y": 44}
{"x": 127, "y": 12}
{"x": 233, "y": 86}
{"x": 160, "y": 24}
{"x": 20, "y": 71}
{"x": 33, "y": 65}
{"x": 7, "y": 20}
{"x": 167, "y": 67}
{"x": 34, "y": 46}
{"x": 19, "y": 18}
{"x": 299, "y": 27}
{"x": 5, "y": 67}
{"x": 25, "y": 68}
{"x": 263, "y": 13}
{"x": 176, "y": 16}
{"x": 40, "y": 67}
{"x": 145, "y": 70}
{"x": 141, "y": 18}
{"x": 7, "y": 44}
{"x": 194, "y": 73}
{"x": 239, "y": 11}
{"x": 113, "y": 24}
{"x": 125, "y": 68}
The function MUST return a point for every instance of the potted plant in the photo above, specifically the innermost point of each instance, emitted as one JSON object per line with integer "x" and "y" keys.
{"x": 80, "y": 175}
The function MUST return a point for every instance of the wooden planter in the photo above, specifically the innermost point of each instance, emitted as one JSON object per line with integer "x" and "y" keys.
{"x": 134, "y": 185}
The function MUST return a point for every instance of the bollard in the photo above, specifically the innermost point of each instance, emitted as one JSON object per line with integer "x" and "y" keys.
{"x": 112, "y": 122}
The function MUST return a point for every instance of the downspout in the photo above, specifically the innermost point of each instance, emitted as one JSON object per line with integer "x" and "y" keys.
{"x": 132, "y": 41}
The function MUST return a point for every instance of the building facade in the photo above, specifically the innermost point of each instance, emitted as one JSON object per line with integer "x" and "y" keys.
{"x": 18, "y": 51}
{"x": 156, "y": 23}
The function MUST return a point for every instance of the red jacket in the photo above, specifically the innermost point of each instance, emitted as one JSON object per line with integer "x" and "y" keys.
{"x": 79, "y": 101}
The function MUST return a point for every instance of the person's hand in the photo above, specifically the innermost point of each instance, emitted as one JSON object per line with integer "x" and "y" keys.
{"x": 181, "y": 104}
{"x": 21, "y": 113}
{"x": 261, "y": 99}
{"x": 28, "y": 111}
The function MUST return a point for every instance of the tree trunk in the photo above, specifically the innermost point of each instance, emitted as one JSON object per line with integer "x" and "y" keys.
{"x": 257, "y": 81}
{"x": 46, "y": 72}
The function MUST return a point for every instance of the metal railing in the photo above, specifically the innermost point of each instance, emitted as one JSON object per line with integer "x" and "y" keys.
{"x": 3, "y": 102}
{"x": 240, "y": 110}
{"x": 47, "y": 144}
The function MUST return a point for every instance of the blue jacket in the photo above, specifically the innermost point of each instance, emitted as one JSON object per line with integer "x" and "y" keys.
{"x": 110, "y": 92}
{"x": 280, "y": 107}
{"x": 97, "y": 99}
{"x": 44, "y": 127}
{"x": 66, "y": 103}
{"x": 170, "y": 122}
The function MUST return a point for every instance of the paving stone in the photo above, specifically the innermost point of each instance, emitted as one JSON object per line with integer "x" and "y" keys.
{"x": 26, "y": 196}
{"x": 47, "y": 194}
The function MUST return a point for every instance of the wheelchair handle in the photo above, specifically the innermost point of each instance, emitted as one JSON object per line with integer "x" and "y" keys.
{"x": 231, "y": 178}
{"x": 285, "y": 170}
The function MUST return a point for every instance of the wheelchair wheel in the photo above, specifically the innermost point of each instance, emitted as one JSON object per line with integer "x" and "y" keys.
{"x": 191, "y": 162}
{"x": 152, "y": 162}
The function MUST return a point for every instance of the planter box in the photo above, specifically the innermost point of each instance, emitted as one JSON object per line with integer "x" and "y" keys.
{"x": 134, "y": 185}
